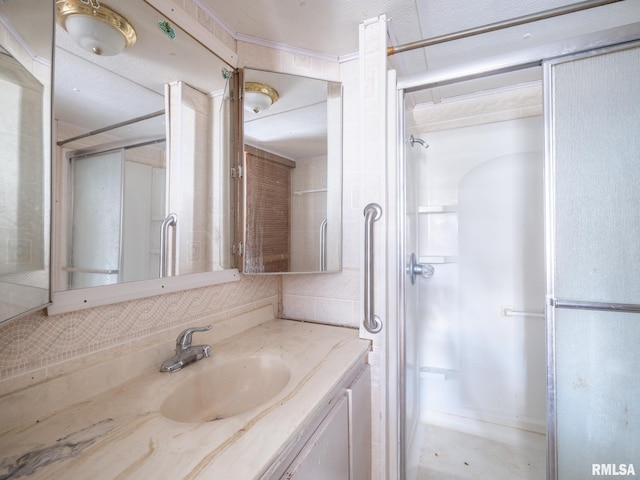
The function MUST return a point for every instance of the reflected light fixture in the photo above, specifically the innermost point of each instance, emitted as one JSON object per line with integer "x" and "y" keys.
{"x": 259, "y": 96}
{"x": 99, "y": 30}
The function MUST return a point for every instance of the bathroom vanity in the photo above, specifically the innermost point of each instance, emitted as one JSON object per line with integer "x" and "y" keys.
{"x": 281, "y": 399}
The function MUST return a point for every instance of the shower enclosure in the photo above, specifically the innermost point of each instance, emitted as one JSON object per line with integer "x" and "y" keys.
{"x": 116, "y": 206}
{"x": 495, "y": 343}
{"x": 476, "y": 350}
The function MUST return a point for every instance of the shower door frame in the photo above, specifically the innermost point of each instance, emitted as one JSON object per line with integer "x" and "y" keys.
{"x": 529, "y": 58}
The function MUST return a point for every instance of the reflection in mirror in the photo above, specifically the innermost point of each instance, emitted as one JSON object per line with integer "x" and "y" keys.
{"x": 143, "y": 138}
{"x": 120, "y": 241}
{"x": 293, "y": 174}
{"x": 26, "y": 30}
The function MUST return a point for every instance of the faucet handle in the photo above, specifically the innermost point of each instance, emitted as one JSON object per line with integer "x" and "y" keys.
{"x": 184, "y": 339}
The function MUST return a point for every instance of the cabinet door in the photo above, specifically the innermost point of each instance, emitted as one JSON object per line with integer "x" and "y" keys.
{"x": 326, "y": 455}
{"x": 360, "y": 424}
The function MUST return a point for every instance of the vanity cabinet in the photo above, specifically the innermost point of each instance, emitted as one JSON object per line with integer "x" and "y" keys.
{"x": 326, "y": 454}
{"x": 337, "y": 444}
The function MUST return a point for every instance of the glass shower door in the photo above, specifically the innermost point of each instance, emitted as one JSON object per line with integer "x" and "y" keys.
{"x": 410, "y": 350}
{"x": 95, "y": 247}
{"x": 594, "y": 263}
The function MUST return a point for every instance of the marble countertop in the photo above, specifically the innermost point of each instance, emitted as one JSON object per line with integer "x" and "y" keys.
{"x": 121, "y": 433}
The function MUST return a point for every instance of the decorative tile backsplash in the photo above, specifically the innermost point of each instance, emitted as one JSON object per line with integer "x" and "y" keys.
{"x": 38, "y": 344}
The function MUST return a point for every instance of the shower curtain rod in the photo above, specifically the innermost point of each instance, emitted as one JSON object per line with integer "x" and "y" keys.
{"x": 113, "y": 127}
{"x": 555, "y": 12}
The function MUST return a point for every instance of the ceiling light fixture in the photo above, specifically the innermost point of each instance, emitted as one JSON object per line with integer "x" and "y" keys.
{"x": 259, "y": 96}
{"x": 99, "y": 30}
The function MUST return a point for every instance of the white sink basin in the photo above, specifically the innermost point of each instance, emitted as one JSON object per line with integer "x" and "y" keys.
{"x": 226, "y": 389}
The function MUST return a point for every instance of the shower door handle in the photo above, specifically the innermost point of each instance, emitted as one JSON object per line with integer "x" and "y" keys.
{"x": 170, "y": 221}
{"x": 371, "y": 322}
{"x": 414, "y": 269}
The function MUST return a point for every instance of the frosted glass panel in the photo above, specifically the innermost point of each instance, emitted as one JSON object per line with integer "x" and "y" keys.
{"x": 137, "y": 221}
{"x": 97, "y": 194}
{"x": 596, "y": 153}
{"x": 598, "y": 386}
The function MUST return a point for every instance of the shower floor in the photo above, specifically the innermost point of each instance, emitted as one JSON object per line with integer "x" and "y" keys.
{"x": 449, "y": 454}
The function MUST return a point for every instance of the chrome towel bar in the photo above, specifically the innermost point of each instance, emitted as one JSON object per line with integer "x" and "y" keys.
{"x": 510, "y": 312}
{"x": 371, "y": 322}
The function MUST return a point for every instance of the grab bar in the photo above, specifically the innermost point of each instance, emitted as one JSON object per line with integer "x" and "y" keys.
{"x": 170, "y": 221}
{"x": 371, "y": 322}
{"x": 323, "y": 245}
{"x": 510, "y": 312}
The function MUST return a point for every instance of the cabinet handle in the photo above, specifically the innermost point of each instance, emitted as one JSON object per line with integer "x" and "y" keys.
{"x": 371, "y": 322}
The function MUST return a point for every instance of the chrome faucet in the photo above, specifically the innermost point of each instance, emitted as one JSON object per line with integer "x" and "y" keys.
{"x": 185, "y": 352}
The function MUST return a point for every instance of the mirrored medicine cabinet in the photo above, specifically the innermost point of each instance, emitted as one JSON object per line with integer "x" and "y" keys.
{"x": 143, "y": 143}
{"x": 292, "y": 180}
{"x": 143, "y": 194}
{"x": 26, "y": 47}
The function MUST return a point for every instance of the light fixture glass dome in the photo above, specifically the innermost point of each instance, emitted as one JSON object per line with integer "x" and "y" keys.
{"x": 259, "y": 96}
{"x": 98, "y": 30}
{"x": 95, "y": 35}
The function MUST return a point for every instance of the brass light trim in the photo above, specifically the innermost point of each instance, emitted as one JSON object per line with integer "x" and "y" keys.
{"x": 66, "y": 8}
{"x": 263, "y": 88}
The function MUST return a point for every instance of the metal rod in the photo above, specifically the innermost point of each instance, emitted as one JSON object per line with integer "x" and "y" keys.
{"x": 534, "y": 17}
{"x": 170, "y": 221}
{"x": 112, "y": 127}
{"x": 601, "y": 306}
{"x": 372, "y": 323}
{"x": 127, "y": 144}
{"x": 89, "y": 270}
{"x": 306, "y": 192}
{"x": 510, "y": 312}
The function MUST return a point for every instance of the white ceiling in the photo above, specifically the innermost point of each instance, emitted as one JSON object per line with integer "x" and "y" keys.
{"x": 294, "y": 127}
{"x": 330, "y": 27}
{"x": 321, "y": 27}
{"x": 93, "y": 91}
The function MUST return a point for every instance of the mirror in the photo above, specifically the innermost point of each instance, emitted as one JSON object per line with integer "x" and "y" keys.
{"x": 292, "y": 174}
{"x": 144, "y": 155}
{"x": 26, "y": 46}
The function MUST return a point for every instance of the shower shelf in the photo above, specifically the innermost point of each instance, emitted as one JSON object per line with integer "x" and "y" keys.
{"x": 437, "y": 373}
{"x": 438, "y": 209}
{"x": 438, "y": 259}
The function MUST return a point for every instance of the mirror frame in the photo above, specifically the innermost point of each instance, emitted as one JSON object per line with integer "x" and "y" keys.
{"x": 79, "y": 299}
